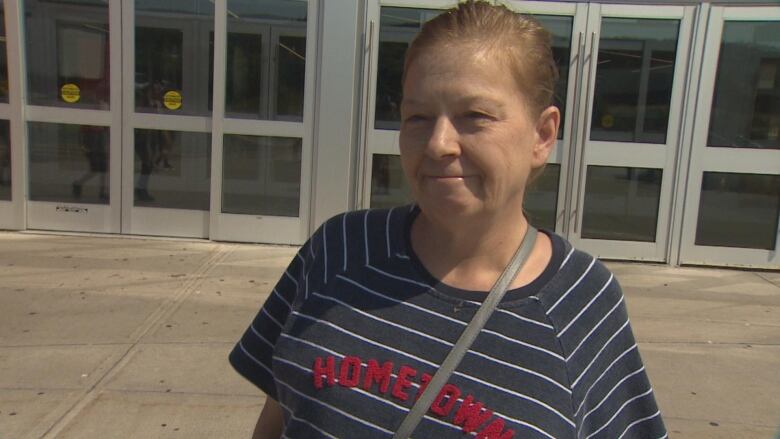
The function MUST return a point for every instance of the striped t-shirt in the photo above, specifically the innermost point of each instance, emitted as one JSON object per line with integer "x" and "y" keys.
{"x": 356, "y": 327}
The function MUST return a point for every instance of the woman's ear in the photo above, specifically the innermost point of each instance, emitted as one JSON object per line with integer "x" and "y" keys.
{"x": 546, "y": 135}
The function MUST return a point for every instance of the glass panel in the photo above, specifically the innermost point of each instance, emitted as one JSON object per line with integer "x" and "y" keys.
{"x": 68, "y": 163}
{"x": 173, "y": 53}
{"x": 3, "y": 59}
{"x": 634, "y": 80}
{"x": 560, "y": 28}
{"x": 261, "y": 175}
{"x": 67, "y": 53}
{"x": 746, "y": 104}
{"x": 621, "y": 203}
{"x": 388, "y": 184}
{"x": 290, "y": 75}
{"x": 739, "y": 210}
{"x": 172, "y": 169}
{"x": 263, "y": 37}
{"x": 5, "y": 160}
{"x": 541, "y": 199}
{"x": 245, "y": 73}
{"x": 397, "y": 28}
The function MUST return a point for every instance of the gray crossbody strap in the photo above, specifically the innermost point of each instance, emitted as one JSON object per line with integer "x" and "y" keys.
{"x": 468, "y": 336}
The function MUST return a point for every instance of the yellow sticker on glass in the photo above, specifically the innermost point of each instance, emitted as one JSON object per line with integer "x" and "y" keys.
{"x": 172, "y": 100}
{"x": 70, "y": 93}
{"x": 608, "y": 121}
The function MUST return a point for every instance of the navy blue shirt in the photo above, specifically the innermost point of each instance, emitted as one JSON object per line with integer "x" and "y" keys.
{"x": 356, "y": 327}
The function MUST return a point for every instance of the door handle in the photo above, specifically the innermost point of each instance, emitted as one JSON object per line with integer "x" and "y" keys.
{"x": 575, "y": 124}
{"x": 367, "y": 111}
{"x": 581, "y": 193}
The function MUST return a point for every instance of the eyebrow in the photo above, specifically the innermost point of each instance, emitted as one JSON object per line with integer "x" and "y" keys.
{"x": 467, "y": 100}
{"x": 471, "y": 100}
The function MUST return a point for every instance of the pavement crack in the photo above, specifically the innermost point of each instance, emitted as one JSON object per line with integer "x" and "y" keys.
{"x": 219, "y": 254}
{"x": 761, "y": 276}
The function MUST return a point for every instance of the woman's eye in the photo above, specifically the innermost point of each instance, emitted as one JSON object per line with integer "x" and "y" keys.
{"x": 415, "y": 118}
{"x": 478, "y": 115}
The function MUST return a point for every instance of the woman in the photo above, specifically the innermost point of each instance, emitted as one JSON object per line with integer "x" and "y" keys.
{"x": 375, "y": 300}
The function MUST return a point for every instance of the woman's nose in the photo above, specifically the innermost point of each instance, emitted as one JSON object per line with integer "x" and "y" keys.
{"x": 443, "y": 141}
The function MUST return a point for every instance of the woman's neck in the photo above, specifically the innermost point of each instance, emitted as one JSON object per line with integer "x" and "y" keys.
{"x": 471, "y": 253}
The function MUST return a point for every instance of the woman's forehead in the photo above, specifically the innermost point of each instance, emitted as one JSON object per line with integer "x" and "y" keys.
{"x": 471, "y": 75}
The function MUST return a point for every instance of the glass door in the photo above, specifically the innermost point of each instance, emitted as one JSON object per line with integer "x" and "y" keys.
{"x": 7, "y": 206}
{"x": 73, "y": 115}
{"x": 383, "y": 180}
{"x": 262, "y": 121}
{"x": 547, "y": 199}
{"x": 166, "y": 156}
{"x": 733, "y": 196}
{"x": 628, "y": 132}
{"x": 391, "y": 30}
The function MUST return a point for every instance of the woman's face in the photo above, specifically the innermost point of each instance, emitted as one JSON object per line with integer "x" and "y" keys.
{"x": 468, "y": 141}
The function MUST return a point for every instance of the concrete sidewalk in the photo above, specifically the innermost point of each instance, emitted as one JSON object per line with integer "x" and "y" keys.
{"x": 105, "y": 337}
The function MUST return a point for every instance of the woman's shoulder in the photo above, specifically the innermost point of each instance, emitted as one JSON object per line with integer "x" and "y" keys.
{"x": 360, "y": 237}
{"x": 579, "y": 278}
{"x": 371, "y": 218}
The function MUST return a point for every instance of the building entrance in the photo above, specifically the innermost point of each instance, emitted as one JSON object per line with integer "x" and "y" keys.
{"x": 175, "y": 119}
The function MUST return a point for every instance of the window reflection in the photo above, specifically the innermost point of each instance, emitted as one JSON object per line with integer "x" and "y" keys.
{"x": 388, "y": 184}
{"x": 5, "y": 160}
{"x": 746, "y": 104}
{"x": 290, "y": 74}
{"x": 621, "y": 203}
{"x": 68, "y": 163}
{"x": 397, "y": 29}
{"x": 738, "y": 210}
{"x": 172, "y": 169}
{"x": 266, "y": 59}
{"x": 158, "y": 67}
{"x": 244, "y": 89}
{"x": 173, "y": 56}
{"x": 560, "y": 27}
{"x": 58, "y": 35}
{"x": 3, "y": 59}
{"x": 261, "y": 175}
{"x": 541, "y": 199}
{"x": 634, "y": 77}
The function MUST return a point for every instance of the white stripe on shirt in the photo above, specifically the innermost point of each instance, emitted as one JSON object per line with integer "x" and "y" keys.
{"x": 413, "y": 384}
{"x": 595, "y": 357}
{"x": 387, "y": 230}
{"x": 586, "y": 307}
{"x": 401, "y": 302}
{"x": 646, "y": 418}
{"x": 446, "y": 343}
{"x": 560, "y": 299}
{"x": 436, "y": 366}
{"x": 579, "y": 345}
{"x": 596, "y": 381}
{"x": 341, "y": 412}
{"x": 620, "y": 409}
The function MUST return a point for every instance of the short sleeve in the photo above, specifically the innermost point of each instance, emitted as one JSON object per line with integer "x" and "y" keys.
{"x": 612, "y": 394}
{"x": 252, "y": 355}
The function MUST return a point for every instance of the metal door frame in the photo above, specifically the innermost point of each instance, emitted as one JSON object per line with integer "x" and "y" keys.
{"x": 608, "y": 153}
{"x": 261, "y": 228}
{"x": 721, "y": 159}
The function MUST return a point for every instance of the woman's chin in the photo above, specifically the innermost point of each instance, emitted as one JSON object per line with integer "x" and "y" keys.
{"x": 451, "y": 207}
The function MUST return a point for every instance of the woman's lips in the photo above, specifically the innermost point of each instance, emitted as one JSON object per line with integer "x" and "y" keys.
{"x": 448, "y": 177}
{"x": 449, "y": 180}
